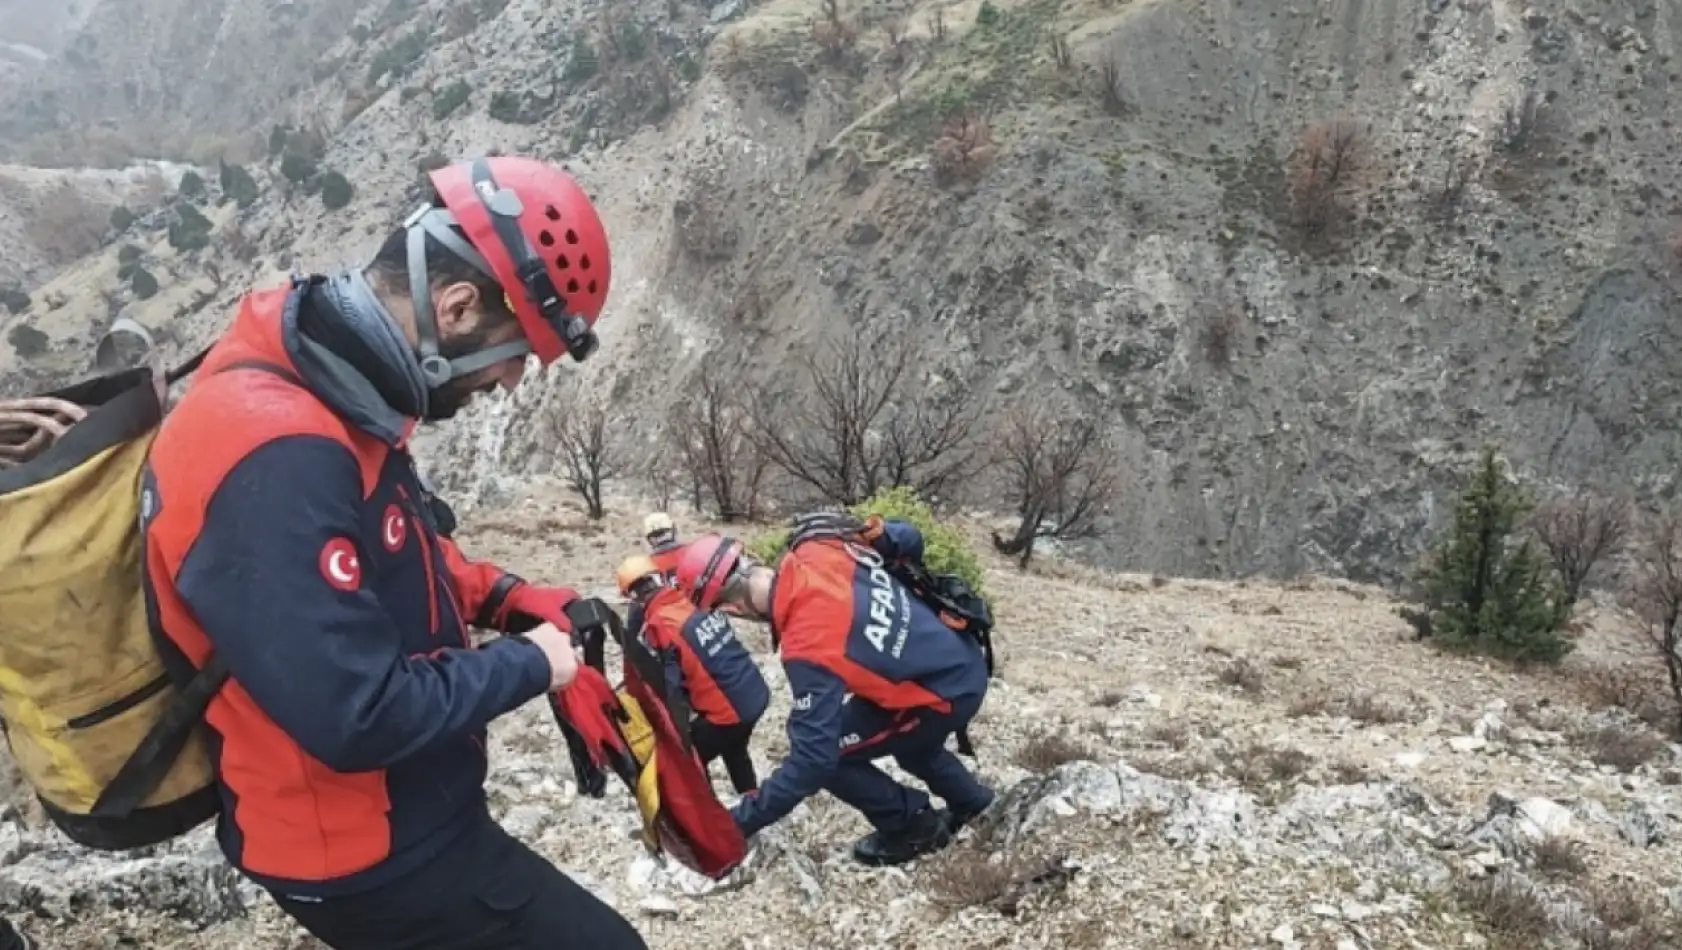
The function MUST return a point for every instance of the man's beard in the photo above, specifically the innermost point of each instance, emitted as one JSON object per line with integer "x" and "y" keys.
{"x": 447, "y": 400}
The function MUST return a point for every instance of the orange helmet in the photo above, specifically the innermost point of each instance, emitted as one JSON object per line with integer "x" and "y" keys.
{"x": 635, "y": 569}
{"x": 533, "y": 229}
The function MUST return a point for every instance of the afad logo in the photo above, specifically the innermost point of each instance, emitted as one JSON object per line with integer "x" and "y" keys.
{"x": 340, "y": 565}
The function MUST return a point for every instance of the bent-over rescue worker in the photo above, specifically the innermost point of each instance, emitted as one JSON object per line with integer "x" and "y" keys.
{"x": 661, "y": 535}
{"x": 725, "y": 689}
{"x": 288, "y": 535}
{"x": 847, "y": 627}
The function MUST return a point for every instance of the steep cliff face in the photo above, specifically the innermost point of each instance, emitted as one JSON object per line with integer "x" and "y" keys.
{"x": 165, "y": 78}
{"x": 1295, "y": 357}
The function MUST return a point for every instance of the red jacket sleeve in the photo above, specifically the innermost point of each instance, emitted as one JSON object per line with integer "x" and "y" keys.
{"x": 481, "y": 587}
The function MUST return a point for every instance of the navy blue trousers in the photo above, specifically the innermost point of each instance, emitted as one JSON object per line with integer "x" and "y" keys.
{"x": 916, "y": 739}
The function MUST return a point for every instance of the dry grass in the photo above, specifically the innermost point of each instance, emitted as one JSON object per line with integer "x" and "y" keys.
{"x": 1626, "y": 917}
{"x": 1047, "y": 751}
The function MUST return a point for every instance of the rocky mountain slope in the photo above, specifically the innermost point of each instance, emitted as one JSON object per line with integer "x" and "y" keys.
{"x": 1127, "y": 209}
{"x": 1184, "y": 764}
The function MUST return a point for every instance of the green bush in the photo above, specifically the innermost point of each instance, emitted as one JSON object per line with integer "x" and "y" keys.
{"x": 297, "y": 168}
{"x": 144, "y": 284}
{"x": 450, "y": 98}
{"x": 190, "y": 230}
{"x": 192, "y": 184}
{"x": 14, "y": 298}
{"x": 121, "y": 219}
{"x": 336, "y": 191}
{"x": 28, "y": 341}
{"x": 1489, "y": 589}
{"x": 945, "y": 550}
{"x": 238, "y": 184}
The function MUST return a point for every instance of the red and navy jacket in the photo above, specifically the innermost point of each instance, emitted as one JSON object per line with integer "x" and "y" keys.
{"x": 847, "y": 626}
{"x": 701, "y": 651}
{"x": 286, "y": 529}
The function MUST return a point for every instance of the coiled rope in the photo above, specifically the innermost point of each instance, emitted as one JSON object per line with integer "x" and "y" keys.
{"x": 31, "y": 425}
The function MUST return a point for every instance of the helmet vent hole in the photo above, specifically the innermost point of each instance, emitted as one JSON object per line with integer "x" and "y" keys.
{"x": 553, "y": 214}
{"x": 572, "y": 236}
{"x": 584, "y": 262}
{"x": 561, "y": 262}
{"x": 591, "y": 287}
{"x": 546, "y": 239}
{"x": 572, "y": 286}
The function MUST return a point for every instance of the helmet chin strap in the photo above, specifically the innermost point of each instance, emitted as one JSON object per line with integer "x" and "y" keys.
{"x": 437, "y": 369}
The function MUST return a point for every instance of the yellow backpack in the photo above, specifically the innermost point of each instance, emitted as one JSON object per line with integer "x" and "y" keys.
{"x": 109, "y": 743}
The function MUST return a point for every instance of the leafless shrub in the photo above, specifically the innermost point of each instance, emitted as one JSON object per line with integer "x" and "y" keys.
{"x": 1270, "y": 768}
{"x": 1449, "y": 195}
{"x": 1657, "y": 596}
{"x": 1625, "y": 748}
{"x": 589, "y": 455}
{"x": 1111, "y": 87}
{"x": 1062, "y": 474}
{"x": 1222, "y": 324}
{"x": 1579, "y": 531}
{"x": 1047, "y": 751}
{"x": 1313, "y": 702}
{"x": 858, "y": 426}
{"x": 1508, "y": 904}
{"x": 835, "y": 37}
{"x": 1626, "y": 918}
{"x": 937, "y": 25}
{"x": 1559, "y": 856}
{"x": 1323, "y": 170}
{"x": 1174, "y": 734}
{"x": 1373, "y": 709}
{"x": 1244, "y": 674}
{"x": 968, "y": 876}
{"x": 1061, "y": 54}
{"x": 712, "y": 434}
{"x": 964, "y": 148}
{"x": 1349, "y": 772}
{"x": 1109, "y": 699}
{"x": 1641, "y": 689}
{"x": 1521, "y": 124}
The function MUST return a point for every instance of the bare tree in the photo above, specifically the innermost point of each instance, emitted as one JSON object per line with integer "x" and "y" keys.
{"x": 1063, "y": 474}
{"x": 1579, "y": 531}
{"x": 855, "y": 429}
{"x": 1657, "y": 596}
{"x": 589, "y": 455}
{"x": 1328, "y": 158}
{"x": 711, "y": 432}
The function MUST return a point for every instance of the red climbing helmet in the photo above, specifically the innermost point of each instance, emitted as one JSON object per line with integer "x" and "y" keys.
{"x": 706, "y": 568}
{"x": 533, "y": 229}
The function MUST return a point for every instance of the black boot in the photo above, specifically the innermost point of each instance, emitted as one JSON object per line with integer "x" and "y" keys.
{"x": 926, "y": 833}
{"x": 957, "y": 820}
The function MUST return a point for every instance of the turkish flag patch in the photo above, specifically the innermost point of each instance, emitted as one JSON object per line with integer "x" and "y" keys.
{"x": 340, "y": 565}
{"x": 394, "y": 529}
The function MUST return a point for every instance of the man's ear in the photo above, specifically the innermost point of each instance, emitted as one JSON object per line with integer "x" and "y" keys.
{"x": 456, "y": 307}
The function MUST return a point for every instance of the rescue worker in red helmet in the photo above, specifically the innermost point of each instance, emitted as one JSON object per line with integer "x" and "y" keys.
{"x": 289, "y": 538}
{"x": 726, "y": 692}
{"x": 874, "y": 672}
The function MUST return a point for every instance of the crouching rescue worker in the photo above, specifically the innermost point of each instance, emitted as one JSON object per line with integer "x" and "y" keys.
{"x": 661, "y": 535}
{"x": 289, "y": 539}
{"x": 845, "y": 626}
{"x": 700, "y": 650}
